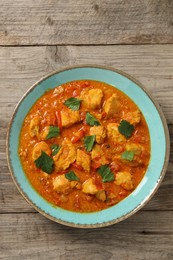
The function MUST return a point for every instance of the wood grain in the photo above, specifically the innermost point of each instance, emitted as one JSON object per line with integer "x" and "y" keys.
{"x": 22, "y": 66}
{"x": 146, "y": 235}
{"x": 83, "y": 22}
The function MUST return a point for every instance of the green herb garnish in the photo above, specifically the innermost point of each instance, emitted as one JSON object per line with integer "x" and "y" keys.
{"x": 55, "y": 149}
{"x": 89, "y": 142}
{"x": 73, "y": 103}
{"x": 106, "y": 174}
{"x": 125, "y": 128}
{"x": 128, "y": 155}
{"x": 91, "y": 120}
{"x": 71, "y": 176}
{"x": 44, "y": 162}
{"x": 53, "y": 132}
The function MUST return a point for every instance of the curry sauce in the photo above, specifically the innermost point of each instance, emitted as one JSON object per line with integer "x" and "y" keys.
{"x": 84, "y": 146}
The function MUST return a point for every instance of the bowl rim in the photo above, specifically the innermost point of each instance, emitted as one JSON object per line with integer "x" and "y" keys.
{"x": 166, "y": 159}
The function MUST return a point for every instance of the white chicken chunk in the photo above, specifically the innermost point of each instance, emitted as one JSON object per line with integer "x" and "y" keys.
{"x": 65, "y": 156}
{"x": 34, "y": 126}
{"x": 43, "y": 134}
{"x": 114, "y": 134}
{"x": 133, "y": 117}
{"x": 69, "y": 117}
{"x": 61, "y": 184}
{"x": 38, "y": 148}
{"x": 84, "y": 160}
{"x": 112, "y": 106}
{"x": 101, "y": 195}
{"x": 92, "y": 98}
{"x": 89, "y": 187}
{"x": 136, "y": 148}
{"x": 100, "y": 133}
{"x": 125, "y": 180}
{"x": 98, "y": 154}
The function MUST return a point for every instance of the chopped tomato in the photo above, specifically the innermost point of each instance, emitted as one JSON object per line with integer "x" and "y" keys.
{"x": 59, "y": 120}
{"x": 75, "y": 93}
{"x": 114, "y": 167}
{"x": 96, "y": 165}
{"x": 104, "y": 114}
{"x": 77, "y": 166}
{"x": 81, "y": 132}
{"x": 74, "y": 139}
{"x": 54, "y": 120}
{"x": 84, "y": 84}
{"x": 123, "y": 193}
{"x": 98, "y": 181}
{"x": 137, "y": 138}
{"x": 82, "y": 115}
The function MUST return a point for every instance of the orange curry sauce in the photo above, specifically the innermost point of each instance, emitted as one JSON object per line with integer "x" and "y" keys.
{"x": 109, "y": 106}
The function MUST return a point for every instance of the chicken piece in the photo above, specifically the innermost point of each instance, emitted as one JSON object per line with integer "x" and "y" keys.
{"x": 34, "y": 126}
{"x": 44, "y": 133}
{"x": 92, "y": 98}
{"x": 98, "y": 154}
{"x": 112, "y": 106}
{"x": 89, "y": 187}
{"x": 125, "y": 180}
{"x": 65, "y": 156}
{"x": 101, "y": 195}
{"x": 97, "y": 114}
{"x": 84, "y": 160}
{"x": 133, "y": 117}
{"x": 61, "y": 184}
{"x": 38, "y": 148}
{"x": 136, "y": 148}
{"x": 100, "y": 133}
{"x": 114, "y": 134}
{"x": 69, "y": 117}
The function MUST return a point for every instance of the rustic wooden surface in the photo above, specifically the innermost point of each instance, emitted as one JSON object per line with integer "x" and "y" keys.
{"x": 38, "y": 37}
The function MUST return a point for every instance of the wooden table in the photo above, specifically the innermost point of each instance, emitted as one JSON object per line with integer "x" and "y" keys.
{"x": 38, "y": 37}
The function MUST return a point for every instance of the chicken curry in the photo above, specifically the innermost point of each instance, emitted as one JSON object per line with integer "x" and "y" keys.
{"x": 84, "y": 146}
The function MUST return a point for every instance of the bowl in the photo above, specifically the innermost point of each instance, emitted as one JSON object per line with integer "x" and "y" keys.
{"x": 160, "y": 146}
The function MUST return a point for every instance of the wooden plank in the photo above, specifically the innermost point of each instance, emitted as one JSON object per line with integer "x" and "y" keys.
{"x": 146, "y": 235}
{"x": 21, "y": 67}
{"x": 83, "y": 22}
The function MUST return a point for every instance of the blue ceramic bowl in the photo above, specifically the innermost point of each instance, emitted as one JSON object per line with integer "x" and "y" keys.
{"x": 159, "y": 147}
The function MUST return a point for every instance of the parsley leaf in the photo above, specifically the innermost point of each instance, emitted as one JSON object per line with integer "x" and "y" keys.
{"x": 106, "y": 174}
{"x": 128, "y": 155}
{"x": 125, "y": 128}
{"x": 91, "y": 120}
{"x": 44, "y": 162}
{"x": 53, "y": 132}
{"x": 73, "y": 103}
{"x": 89, "y": 142}
{"x": 71, "y": 176}
{"x": 55, "y": 149}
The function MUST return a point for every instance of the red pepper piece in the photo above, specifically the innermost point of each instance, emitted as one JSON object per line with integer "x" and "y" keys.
{"x": 59, "y": 119}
